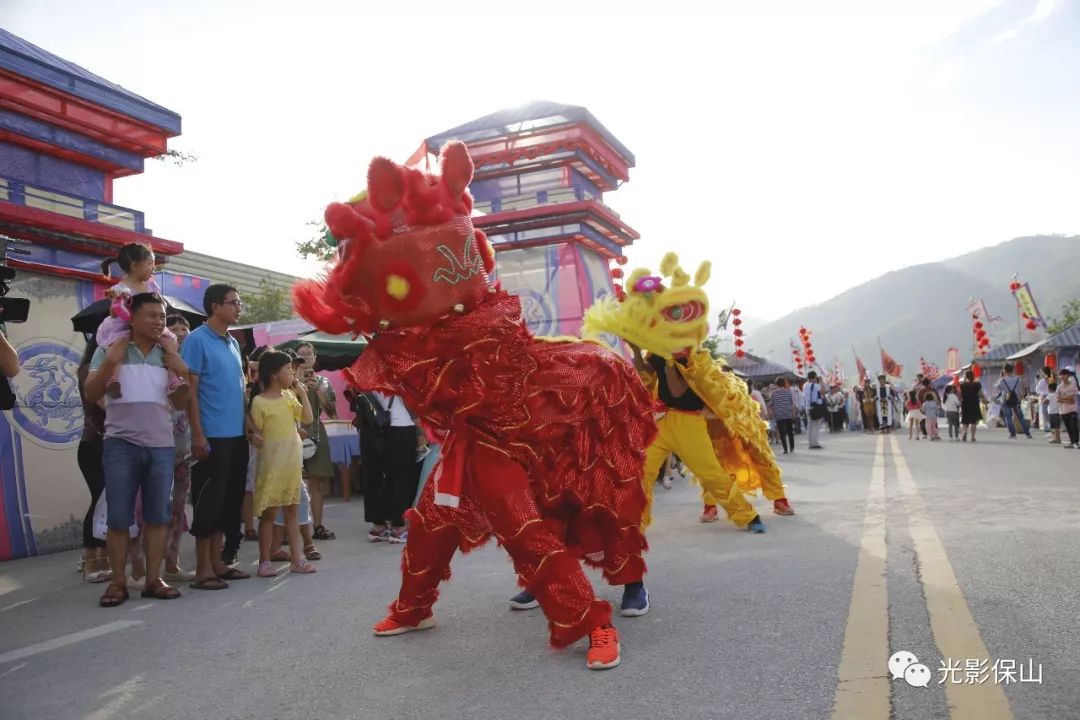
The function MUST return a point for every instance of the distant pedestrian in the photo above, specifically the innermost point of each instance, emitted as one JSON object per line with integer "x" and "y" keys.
{"x": 952, "y": 411}
{"x": 971, "y": 399}
{"x": 1067, "y": 404}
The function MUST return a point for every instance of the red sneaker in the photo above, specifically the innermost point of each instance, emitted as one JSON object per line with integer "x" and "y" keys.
{"x": 389, "y": 626}
{"x": 710, "y": 515}
{"x": 782, "y": 507}
{"x": 603, "y": 648}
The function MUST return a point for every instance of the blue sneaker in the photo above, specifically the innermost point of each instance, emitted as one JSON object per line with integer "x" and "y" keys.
{"x": 524, "y": 600}
{"x": 756, "y": 526}
{"x": 635, "y": 600}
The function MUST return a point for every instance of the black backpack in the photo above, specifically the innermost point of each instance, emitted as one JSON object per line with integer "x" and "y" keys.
{"x": 371, "y": 420}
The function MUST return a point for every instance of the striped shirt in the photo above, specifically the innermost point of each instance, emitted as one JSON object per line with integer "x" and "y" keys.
{"x": 782, "y": 403}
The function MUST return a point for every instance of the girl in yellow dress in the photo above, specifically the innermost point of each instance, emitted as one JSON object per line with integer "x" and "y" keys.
{"x": 281, "y": 403}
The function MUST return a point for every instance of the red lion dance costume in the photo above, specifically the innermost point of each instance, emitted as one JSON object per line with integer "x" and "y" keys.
{"x": 543, "y": 440}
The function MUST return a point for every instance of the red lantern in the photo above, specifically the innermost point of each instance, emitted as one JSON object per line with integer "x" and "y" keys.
{"x": 984, "y": 342}
{"x": 738, "y": 333}
{"x": 738, "y": 342}
{"x": 1019, "y": 368}
{"x": 1031, "y": 325}
{"x": 736, "y": 312}
{"x": 1050, "y": 361}
{"x": 1014, "y": 286}
{"x": 622, "y": 260}
{"x": 736, "y": 322}
{"x": 976, "y": 371}
{"x": 739, "y": 353}
{"x": 978, "y": 325}
{"x": 617, "y": 273}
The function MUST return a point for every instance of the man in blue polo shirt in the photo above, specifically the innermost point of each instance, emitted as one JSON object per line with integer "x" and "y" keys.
{"x": 138, "y": 442}
{"x": 218, "y": 444}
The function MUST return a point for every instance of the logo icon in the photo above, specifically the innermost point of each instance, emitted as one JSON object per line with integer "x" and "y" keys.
{"x": 904, "y": 664}
{"x": 917, "y": 675}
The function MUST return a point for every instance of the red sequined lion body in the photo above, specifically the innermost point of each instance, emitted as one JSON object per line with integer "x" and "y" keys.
{"x": 542, "y": 440}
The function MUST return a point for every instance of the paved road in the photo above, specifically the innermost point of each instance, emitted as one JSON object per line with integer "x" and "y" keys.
{"x": 943, "y": 550}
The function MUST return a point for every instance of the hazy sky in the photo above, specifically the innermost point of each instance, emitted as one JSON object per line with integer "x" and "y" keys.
{"x": 839, "y": 130}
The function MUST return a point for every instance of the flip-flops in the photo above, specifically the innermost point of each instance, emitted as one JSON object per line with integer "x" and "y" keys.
{"x": 161, "y": 591}
{"x": 209, "y": 583}
{"x": 233, "y": 574}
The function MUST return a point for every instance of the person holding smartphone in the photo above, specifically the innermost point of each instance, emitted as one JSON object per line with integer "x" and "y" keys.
{"x": 319, "y": 468}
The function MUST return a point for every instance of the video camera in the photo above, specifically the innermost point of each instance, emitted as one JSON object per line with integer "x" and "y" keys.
{"x": 12, "y": 310}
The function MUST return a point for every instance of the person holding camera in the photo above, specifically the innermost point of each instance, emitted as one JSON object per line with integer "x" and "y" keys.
{"x": 318, "y": 466}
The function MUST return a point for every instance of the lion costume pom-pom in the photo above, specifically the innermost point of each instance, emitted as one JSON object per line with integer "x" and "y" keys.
{"x": 407, "y": 251}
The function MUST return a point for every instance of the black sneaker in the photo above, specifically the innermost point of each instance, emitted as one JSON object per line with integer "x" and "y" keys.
{"x": 524, "y": 600}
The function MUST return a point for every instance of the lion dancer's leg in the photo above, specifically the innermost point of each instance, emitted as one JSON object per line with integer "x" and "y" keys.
{"x": 771, "y": 485}
{"x": 434, "y": 537}
{"x": 690, "y": 434}
{"x": 545, "y": 566}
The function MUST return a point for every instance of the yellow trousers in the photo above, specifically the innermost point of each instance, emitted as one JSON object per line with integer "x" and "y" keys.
{"x": 687, "y": 435}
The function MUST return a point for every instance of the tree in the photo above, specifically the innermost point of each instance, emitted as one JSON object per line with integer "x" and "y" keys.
{"x": 712, "y": 344}
{"x": 177, "y": 157}
{"x": 271, "y": 303}
{"x": 316, "y": 247}
{"x": 1070, "y": 315}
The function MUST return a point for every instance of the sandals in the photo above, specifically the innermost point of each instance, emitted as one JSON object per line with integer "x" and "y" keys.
{"x": 96, "y": 570}
{"x": 321, "y": 533}
{"x": 178, "y": 392}
{"x": 233, "y": 574}
{"x": 303, "y": 568}
{"x": 312, "y": 553}
{"x": 161, "y": 591}
{"x": 209, "y": 583}
{"x": 267, "y": 570}
{"x": 115, "y": 595}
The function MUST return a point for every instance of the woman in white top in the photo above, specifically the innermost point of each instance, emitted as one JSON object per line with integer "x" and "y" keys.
{"x": 952, "y": 411}
{"x": 1052, "y": 410}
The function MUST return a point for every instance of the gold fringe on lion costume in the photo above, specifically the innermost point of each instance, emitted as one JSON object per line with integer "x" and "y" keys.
{"x": 707, "y": 417}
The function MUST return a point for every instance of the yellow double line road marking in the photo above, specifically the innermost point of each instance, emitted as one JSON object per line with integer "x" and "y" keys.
{"x": 864, "y": 685}
{"x": 862, "y": 689}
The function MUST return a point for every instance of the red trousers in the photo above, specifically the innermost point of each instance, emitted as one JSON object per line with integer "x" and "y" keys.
{"x": 497, "y": 500}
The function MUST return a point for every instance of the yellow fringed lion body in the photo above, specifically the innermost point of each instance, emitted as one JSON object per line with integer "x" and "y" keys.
{"x": 666, "y": 321}
{"x": 740, "y": 438}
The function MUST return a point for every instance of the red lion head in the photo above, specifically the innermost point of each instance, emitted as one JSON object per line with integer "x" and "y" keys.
{"x": 407, "y": 253}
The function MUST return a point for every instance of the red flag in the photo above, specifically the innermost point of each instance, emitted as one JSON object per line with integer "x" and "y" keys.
{"x": 889, "y": 366}
{"x": 859, "y": 366}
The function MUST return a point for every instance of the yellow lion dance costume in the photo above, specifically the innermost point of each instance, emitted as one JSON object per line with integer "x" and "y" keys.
{"x": 709, "y": 419}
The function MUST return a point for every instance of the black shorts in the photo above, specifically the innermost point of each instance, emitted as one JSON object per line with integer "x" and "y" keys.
{"x": 1055, "y": 421}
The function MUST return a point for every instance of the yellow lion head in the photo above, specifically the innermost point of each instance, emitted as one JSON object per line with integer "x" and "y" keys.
{"x": 666, "y": 319}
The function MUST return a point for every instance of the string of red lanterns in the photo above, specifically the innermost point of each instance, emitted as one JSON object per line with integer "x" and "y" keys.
{"x": 982, "y": 340}
{"x": 618, "y": 274}
{"x": 738, "y": 332}
{"x": 804, "y": 335}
